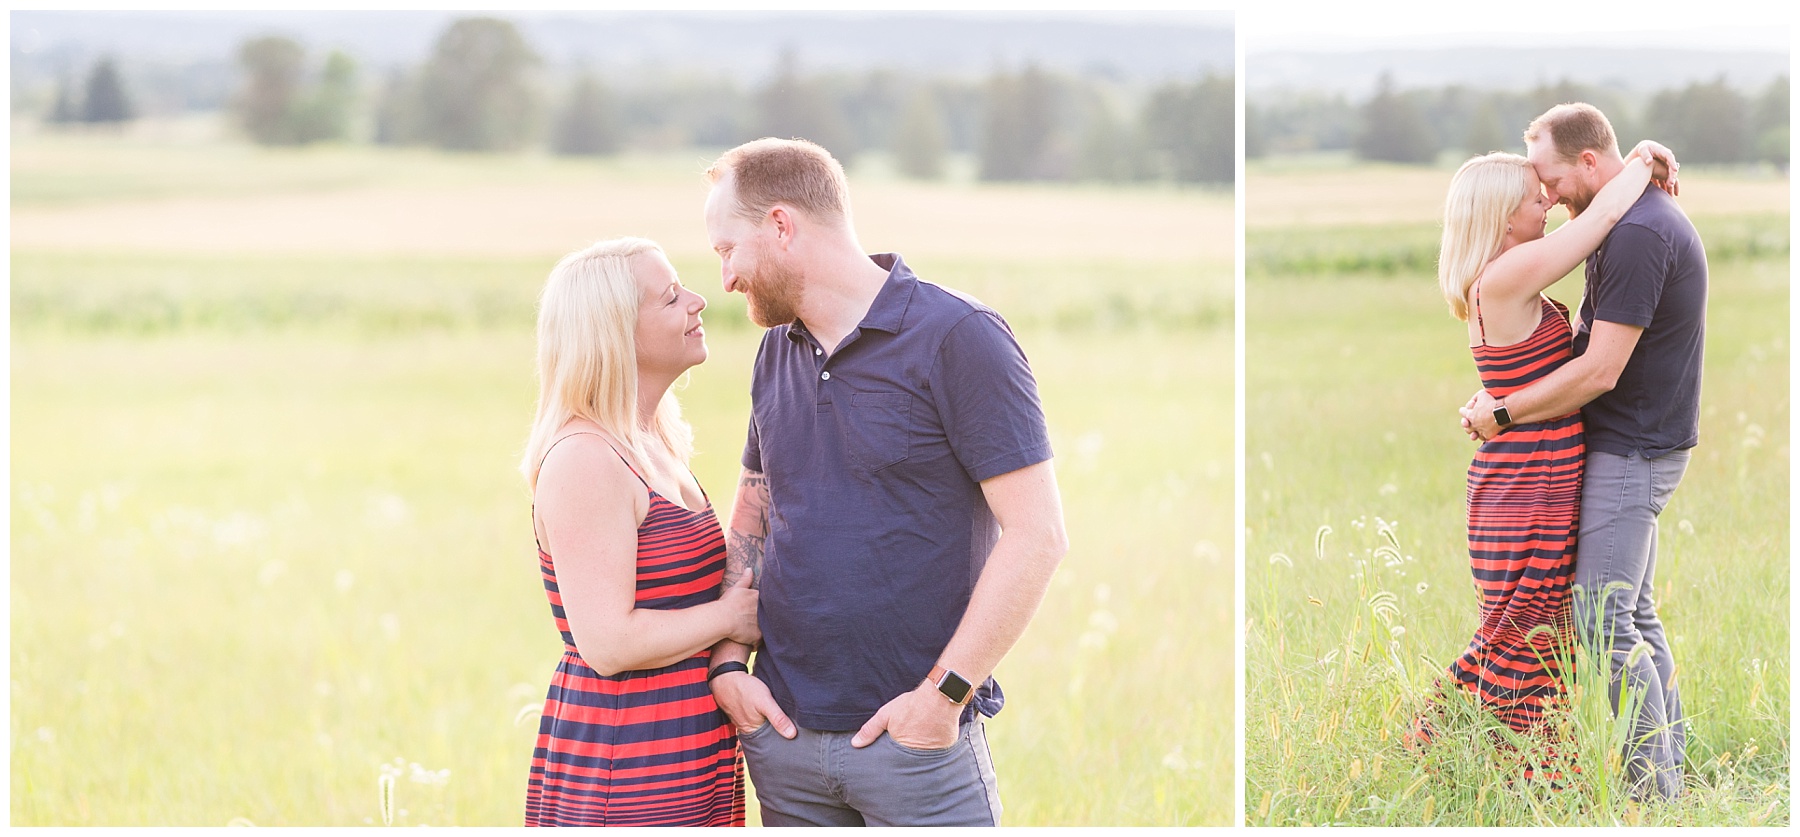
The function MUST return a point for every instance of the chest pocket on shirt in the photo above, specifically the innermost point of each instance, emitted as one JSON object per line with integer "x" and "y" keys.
{"x": 878, "y": 428}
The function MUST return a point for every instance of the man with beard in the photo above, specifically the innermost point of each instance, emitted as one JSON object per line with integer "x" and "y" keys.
{"x": 1636, "y": 379}
{"x": 897, "y": 508}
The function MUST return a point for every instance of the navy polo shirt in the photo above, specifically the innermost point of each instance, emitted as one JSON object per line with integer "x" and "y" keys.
{"x": 874, "y": 457}
{"x": 1649, "y": 272}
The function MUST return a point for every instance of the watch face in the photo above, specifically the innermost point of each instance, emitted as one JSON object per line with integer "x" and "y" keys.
{"x": 954, "y": 687}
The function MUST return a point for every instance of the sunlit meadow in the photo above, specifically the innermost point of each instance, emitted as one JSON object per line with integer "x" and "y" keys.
{"x": 1358, "y": 592}
{"x": 271, "y": 558}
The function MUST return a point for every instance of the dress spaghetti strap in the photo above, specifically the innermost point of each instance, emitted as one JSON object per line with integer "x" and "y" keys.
{"x": 1478, "y": 322}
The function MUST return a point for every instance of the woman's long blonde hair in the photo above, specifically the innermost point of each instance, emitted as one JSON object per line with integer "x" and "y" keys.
{"x": 587, "y": 356}
{"x": 1483, "y": 194}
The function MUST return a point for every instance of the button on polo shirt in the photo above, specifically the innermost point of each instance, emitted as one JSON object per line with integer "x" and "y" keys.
{"x": 878, "y": 528}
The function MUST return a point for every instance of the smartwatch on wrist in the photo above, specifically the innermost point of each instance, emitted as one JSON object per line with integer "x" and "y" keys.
{"x": 954, "y": 687}
{"x": 726, "y": 668}
{"x": 1501, "y": 416}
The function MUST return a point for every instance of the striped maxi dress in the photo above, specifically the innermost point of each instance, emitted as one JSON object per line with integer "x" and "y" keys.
{"x": 647, "y": 747}
{"x": 1524, "y": 498}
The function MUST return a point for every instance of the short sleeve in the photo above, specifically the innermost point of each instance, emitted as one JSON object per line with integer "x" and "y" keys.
{"x": 1633, "y": 265}
{"x": 752, "y": 458}
{"x": 987, "y": 398}
{"x": 753, "y": 448}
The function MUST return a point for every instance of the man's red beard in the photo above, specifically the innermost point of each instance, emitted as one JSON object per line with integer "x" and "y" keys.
{"x": 772, "y": 295}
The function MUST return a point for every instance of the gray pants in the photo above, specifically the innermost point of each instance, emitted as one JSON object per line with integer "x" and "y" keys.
{"x": 1615, "y": 567}
{"x": 819, "y": 779}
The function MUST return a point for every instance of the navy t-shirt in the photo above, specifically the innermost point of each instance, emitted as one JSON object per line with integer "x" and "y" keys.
{"x": 1650, "y": 272}
{"x": 878, "y": 528}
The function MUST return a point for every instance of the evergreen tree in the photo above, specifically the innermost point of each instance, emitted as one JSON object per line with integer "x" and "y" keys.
{"x": 1393, "y": 129}
{"x": 397, "y": 117}
{"x": 1704, "y": 123}
{"x": 324, "y": 114}
{"x": 872, "y": 108}
{"x": 587, "y": 124}
{"x": 1019, "y": 126}
{"x": 1255, "y": 133}
{"x": 1770, "y": 123}
{"x": 65, "y": 109}
{"x": 475, "y": 92}
{"x": 793, "y": 106}
{"x": 1545, "y": 97}
{"x": 106, "y": 100}
{"x": 1192, "y": 130}
{"x": 919, "y": 141}
{"x": 1108, "y": 149}
{"x": 1450, "y": 113}
{"x": 1486, "y": 133}
{"x": 273, "y": 67}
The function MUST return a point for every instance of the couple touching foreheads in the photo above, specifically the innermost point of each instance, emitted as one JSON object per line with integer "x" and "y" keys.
{"x": 895, "y": 528}
{"x": 1586, "y": 429}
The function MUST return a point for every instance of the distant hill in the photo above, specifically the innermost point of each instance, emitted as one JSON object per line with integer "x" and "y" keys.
{"x": 1126, "y": 46}
{"x": 1630, "y": 70}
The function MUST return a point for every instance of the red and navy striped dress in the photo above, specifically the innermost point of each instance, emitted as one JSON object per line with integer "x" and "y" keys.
{"x": 641, "y": 747}
{"x": 1524, "y": 498}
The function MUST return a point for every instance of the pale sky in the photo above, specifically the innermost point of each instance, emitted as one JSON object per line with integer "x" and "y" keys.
{"x": 1355, "y": 27}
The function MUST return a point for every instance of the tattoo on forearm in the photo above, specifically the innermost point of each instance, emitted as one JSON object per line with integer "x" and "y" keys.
{"x": 743, "y": 553}
{"x": 749, "y": 528}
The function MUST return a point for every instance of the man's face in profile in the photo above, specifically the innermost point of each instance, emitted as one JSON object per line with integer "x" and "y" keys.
{"x": 1564, "y": 182}
{"x": 771, "y": 290}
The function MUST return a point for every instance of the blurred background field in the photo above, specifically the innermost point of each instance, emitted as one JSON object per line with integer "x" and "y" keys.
{"x": 1354, "y": 372}
{"x": 268, "y": 539}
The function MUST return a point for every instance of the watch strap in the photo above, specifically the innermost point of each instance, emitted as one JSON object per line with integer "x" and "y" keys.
{"x": 937, "y": 677}
{"x": 726, "y": 668}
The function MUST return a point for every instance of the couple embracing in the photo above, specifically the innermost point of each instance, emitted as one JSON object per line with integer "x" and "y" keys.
{"x": 1585, "y": 430}
{"x": 895, "y": 528}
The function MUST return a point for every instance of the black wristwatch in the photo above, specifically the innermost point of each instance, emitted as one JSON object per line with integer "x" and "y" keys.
{"x": 1501, "y": 416}
{"x": 726, "y": 668}
{"x": 953, "y": 686}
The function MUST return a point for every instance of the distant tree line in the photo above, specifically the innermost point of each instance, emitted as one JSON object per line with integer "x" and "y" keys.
{"x": 1705, "y": 122}
{"x": 483, "y": 88}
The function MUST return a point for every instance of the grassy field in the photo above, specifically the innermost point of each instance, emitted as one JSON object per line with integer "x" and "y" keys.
{"x": 1356, "y": 572}
{"x": 268, "y": 542}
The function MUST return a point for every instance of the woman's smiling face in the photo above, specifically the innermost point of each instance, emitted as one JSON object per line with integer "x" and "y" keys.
{"x": 669, "y": 335}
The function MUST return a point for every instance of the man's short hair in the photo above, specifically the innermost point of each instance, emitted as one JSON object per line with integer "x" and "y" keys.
{"x": 794, "y": 172}
{"x": 1572, "y": 128}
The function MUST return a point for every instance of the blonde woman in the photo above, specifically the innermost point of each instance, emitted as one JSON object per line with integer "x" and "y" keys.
{"x": 1524, "y": 485}
{"x": 631, "y": 554}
